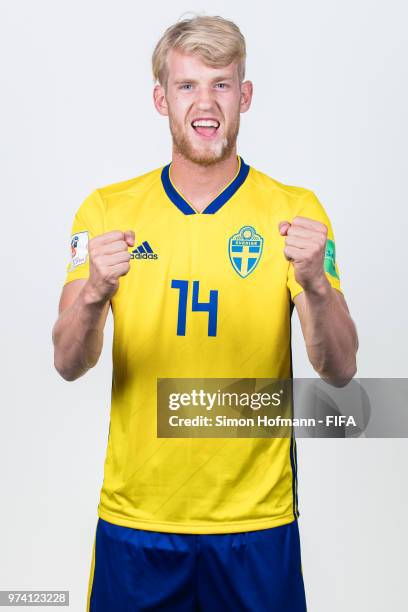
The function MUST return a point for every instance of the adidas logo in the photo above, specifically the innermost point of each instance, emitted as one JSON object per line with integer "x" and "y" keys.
{"x": 143, "y": 251}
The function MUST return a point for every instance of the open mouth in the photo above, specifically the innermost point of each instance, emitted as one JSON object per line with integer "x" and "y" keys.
{"x": 205, "y": 127}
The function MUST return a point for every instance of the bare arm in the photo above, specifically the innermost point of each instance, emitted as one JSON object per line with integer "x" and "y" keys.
{"x": 330, "y": 334}
{"x": 78, "y": 333}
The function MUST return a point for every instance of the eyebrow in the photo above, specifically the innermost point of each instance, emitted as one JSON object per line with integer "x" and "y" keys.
{"x": 187, "y": 80}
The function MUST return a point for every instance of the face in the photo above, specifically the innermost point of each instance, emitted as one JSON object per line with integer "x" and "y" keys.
{"x": 203, "y": 105}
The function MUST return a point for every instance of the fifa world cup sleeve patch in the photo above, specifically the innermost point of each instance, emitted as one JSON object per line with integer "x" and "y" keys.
{"x": 330, "y": 258}
{"x": 79, "y": 249}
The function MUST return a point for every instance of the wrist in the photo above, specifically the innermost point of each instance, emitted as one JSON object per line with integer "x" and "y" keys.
{"x": 91, "y": 296}
{"x": 320, "y": 288}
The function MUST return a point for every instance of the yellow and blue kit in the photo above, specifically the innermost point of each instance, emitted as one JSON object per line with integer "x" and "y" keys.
{"x": 209, "y": 295}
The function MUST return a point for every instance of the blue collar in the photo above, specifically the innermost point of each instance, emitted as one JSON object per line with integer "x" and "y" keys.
{"x": 213, "y": 206}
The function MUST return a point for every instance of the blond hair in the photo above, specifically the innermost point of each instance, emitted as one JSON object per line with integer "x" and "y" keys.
{"x": 217, "y": 41}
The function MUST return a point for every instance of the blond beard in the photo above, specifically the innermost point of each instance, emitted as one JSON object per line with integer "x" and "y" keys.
{"x": 222, "y": 149}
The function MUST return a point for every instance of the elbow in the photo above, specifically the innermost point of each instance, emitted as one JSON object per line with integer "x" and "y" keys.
{"x": 67, "y": 371}
{"x": 339, "y": 379}
{"x": 341, "y": 366}
{"x": 58, "y": 361}
{"x": 61, "y": 362}
{"x": 73, "y": 372}
{"x": 67, "y": 375}
{"x": 343, "y": 381}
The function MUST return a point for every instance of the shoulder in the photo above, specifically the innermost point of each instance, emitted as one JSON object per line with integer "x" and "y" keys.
{"x": 135, "y": 185}
{"x": 265, "y": 182}
{"x": 298, "y": 200}
{"x": 107, "y": 198}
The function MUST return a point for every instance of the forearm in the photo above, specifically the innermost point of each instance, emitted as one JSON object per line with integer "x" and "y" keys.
{"x": 330, "y": 336}
{"x": 78, "y": 335}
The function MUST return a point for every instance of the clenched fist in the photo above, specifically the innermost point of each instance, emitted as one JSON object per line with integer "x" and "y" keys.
{"x": 305, "y": 246}
{"x": 108, "y": 260}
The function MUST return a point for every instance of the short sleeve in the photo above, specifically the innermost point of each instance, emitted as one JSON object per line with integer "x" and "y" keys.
{"x": 89, "y": 221}
{"x": 311, "y": 207}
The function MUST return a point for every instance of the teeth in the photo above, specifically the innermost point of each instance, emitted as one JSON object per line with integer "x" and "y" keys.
{"x": 205, "y": 123}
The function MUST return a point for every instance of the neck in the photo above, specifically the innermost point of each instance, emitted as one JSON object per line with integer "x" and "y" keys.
{"x": 199, "y": 184}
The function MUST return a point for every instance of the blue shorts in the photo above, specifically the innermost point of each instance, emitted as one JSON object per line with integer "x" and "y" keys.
{"x": 135, "y": 570}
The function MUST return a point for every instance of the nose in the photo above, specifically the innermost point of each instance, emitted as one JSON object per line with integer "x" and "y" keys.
{"x": 205, "y": 98}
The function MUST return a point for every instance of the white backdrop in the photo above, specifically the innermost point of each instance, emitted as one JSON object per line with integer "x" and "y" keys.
{"x": 329, "y": 114}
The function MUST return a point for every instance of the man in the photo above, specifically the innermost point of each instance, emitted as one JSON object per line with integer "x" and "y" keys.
{"x": 201, "y": 262}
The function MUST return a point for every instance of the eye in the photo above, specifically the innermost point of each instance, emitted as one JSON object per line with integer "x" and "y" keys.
{"x": 222, "y": 85}
{"x": 186, "y": 86}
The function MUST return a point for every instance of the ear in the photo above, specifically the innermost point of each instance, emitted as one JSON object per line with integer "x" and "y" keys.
{"x": 246, "y": 96}
{"x": 159, "y": 99}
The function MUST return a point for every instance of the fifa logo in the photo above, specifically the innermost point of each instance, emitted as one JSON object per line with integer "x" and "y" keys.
{"x": 74, "y": 243}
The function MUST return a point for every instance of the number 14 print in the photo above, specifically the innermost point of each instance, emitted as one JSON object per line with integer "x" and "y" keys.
{"x": 211, "y": 306}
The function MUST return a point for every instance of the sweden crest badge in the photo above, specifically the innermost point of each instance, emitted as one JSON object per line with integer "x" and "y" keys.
{"x": 245, "y": 250}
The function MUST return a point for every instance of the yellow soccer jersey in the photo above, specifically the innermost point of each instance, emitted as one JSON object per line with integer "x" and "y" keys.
{"x": 234, "y": 250}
